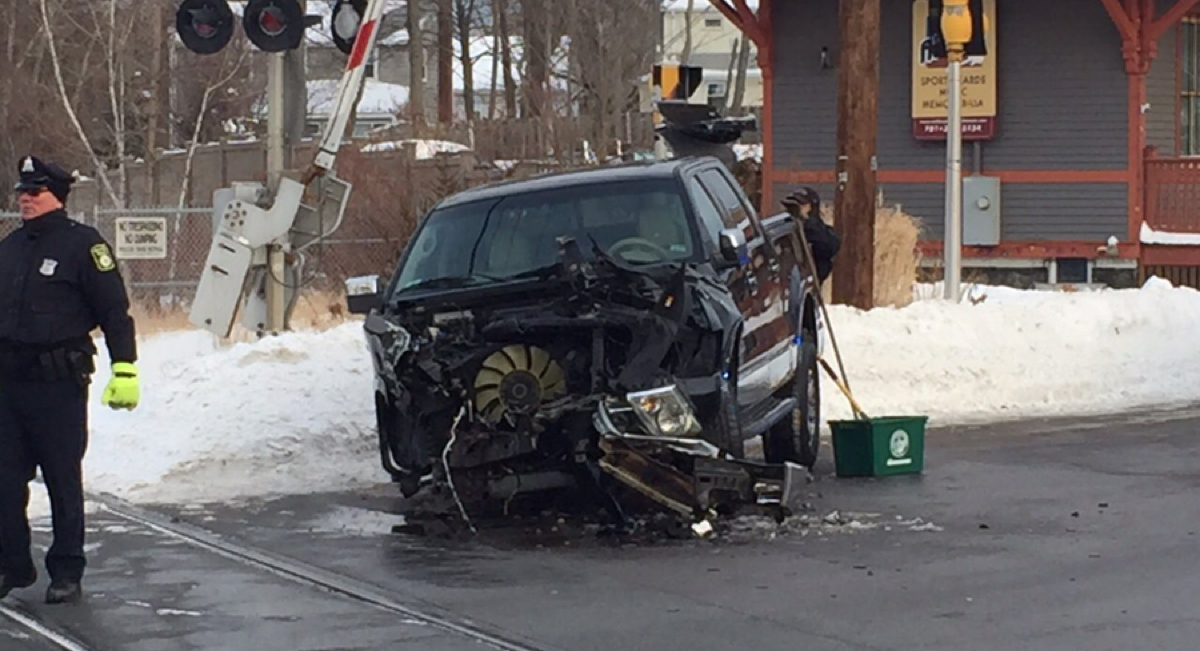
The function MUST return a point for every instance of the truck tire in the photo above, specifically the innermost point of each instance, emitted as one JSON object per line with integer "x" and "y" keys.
{"x": 797, "y": 438}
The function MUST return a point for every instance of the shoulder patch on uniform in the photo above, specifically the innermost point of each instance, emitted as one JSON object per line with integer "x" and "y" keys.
{"x": 102, "y": 256}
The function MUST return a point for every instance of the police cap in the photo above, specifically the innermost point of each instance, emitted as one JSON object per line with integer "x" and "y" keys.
{"x": 35, "y": 173}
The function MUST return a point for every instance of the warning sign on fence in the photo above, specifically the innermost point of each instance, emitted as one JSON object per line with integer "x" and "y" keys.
{"x": 141, "y": 238}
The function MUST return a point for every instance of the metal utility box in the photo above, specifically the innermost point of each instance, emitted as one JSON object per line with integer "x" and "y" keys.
{"x": 981, "y": 211}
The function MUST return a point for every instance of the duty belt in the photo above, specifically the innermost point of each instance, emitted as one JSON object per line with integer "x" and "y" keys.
{"x": 60, "y": 363}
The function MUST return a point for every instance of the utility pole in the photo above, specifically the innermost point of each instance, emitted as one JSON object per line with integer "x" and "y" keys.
{"x": 287, "y": 107}
{"x": 957, "y": 31}
{"x": 857, "y": 134}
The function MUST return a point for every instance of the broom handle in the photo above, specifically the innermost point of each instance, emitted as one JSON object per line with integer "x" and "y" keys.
{"x": 812, "y": 269}
{"x": 858, "y": 410}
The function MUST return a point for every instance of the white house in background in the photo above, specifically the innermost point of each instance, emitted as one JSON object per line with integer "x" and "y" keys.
{"x": 713, "y": 39}
{"x": 379, "y": 107}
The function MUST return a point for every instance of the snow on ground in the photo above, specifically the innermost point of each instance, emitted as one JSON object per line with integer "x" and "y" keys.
{"x": 294, "y": 414}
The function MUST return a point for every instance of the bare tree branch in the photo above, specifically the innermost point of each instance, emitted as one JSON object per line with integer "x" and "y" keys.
{"x": 62, "y": 90}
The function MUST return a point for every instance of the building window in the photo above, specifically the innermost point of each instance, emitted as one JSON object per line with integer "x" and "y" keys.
{"x": 712, "y": 23}
{"x": 1189, "y": 104}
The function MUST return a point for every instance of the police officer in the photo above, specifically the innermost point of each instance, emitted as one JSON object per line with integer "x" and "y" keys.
{"x": 58, "y": 282}
{"x": 805, "y": 206}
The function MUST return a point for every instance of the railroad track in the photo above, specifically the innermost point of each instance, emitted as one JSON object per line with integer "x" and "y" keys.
{"x": 311, "y": 576}
{"x": 38, "y": 629}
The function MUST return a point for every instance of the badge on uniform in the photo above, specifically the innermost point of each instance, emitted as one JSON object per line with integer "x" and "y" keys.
{"x": 103, "y": 257}
{"x": 48, "y": 266}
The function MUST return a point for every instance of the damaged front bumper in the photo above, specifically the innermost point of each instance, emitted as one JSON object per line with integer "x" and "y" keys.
{"x": 691, "y": 476}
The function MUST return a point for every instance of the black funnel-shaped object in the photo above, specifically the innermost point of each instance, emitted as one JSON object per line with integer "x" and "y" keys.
{"x": 699, "y": 130}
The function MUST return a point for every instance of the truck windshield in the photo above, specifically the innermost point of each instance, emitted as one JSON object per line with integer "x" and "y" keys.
{"x": 640, "y": 222}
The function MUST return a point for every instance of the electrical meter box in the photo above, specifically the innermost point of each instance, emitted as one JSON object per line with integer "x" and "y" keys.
{"x": 981, "y": 210}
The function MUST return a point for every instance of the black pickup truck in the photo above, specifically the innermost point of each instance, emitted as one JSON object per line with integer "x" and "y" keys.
{"x": 624, "y": 327}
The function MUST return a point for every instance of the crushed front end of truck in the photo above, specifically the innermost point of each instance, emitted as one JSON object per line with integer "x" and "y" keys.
{"x": 596, "y": 375}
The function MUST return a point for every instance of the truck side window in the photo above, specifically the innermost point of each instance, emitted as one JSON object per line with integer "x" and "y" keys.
{"x": 736, "y": 214}
{"x": 706, "y": 211}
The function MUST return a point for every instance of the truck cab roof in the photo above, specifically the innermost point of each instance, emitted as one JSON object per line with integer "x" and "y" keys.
{"x": 607, "y": 174}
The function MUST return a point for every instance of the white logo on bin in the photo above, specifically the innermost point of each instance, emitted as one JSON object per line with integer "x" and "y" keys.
{"x": 899, "y": 444}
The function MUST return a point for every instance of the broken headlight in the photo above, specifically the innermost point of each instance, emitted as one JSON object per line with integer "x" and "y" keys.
{"x": 665, "y": 411}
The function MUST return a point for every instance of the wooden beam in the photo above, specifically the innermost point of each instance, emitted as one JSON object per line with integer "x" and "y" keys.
{"x": 743, "y": 18}
{"x": 857, "y": 136}
{"x": 1171, "y": 18}
{"x": 729, "y": 12}
{"x": 1119, "y": 16}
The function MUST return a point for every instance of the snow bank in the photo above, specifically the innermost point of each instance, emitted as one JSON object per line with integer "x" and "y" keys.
{"x": 291, "y": 414}
{"x": 1004, "y": 353}
{"x": 294, "y": 414}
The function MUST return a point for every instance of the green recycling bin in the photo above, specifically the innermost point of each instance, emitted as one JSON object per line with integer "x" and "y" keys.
{"x": 879, "y": 447}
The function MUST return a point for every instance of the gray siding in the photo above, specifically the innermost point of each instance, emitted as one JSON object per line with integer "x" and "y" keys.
{"x": 1160, "y": 93}
{"x": 1063, "y": 92}
{"x": 1031, "y": 211}
{"x": 1062, "y": 101}
{"x": 805, "y": 103}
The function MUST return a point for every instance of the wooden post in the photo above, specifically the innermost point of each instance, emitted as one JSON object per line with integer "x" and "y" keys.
{"x": 445, "y": 61}
{"x": 857, "y": 130}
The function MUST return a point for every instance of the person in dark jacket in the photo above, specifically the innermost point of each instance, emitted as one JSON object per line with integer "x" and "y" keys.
{"x": 58, "y": 282}
{"x": 804, "y": 206}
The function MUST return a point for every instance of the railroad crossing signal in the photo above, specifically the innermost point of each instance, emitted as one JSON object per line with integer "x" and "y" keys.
{"x": 204, "y": 26}
{"x": 674, "y": 81}
{"x": 207, "y": 26}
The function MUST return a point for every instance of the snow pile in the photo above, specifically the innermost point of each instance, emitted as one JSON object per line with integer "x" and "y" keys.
{"x": 291, "y": 414}
{"x": 294, "y": 414}
{"x": 424, "y": 149}
{"x": 1005, "y": 353}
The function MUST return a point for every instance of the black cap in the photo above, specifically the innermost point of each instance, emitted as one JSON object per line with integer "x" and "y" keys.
{"x": 36, "y": 173}
{"x": 801, "y": 197}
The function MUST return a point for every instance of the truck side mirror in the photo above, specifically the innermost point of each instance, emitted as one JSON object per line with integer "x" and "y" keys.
{"x": 732, "y": 243}
{"x": 362, "y": 294}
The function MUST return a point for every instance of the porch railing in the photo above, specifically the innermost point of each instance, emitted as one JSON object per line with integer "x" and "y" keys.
{"x": 1173, "y": 194}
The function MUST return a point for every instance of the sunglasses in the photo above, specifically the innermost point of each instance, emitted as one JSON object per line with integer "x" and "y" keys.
{"x": 35, "y": 192}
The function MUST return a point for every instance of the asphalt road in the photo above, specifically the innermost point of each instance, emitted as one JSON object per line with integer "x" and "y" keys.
{"x": 1045, "y": 535}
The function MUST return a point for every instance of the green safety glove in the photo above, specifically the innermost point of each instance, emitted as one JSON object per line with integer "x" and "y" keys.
{"x": 122, "y": 391}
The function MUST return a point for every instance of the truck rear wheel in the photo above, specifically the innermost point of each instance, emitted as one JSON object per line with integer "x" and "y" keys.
{"x": 797, "y": 438}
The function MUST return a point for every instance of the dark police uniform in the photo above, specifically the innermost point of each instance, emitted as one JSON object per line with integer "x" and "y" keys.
{"x": 58, "y": 282}
{"x": 823, "y": 240}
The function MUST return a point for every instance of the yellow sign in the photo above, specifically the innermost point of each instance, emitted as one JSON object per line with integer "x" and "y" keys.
{"x": 930, "y": 84}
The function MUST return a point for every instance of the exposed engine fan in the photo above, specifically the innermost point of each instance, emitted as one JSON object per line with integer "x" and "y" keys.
{"x": 515, "y": 381}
